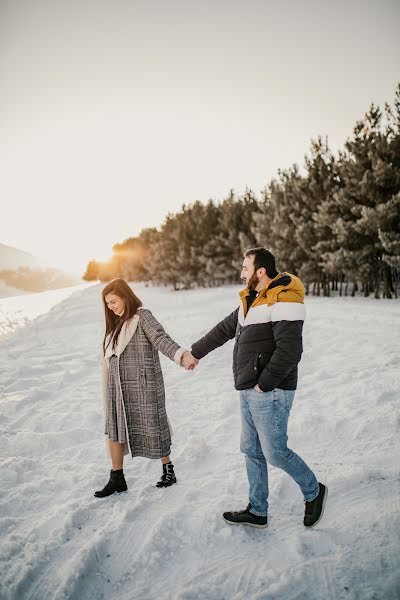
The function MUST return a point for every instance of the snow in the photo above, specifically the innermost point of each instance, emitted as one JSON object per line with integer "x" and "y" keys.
{"x": 21, "y": 307}
{"x": 8, "y": 290}
{"x": 60, "y": 542}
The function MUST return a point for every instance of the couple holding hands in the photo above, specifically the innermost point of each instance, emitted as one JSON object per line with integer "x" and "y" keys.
{"x": 267, "y": 327}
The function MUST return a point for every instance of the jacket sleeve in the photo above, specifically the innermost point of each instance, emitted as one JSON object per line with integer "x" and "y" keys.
{"x": 158, "y": 337}
{"x": 222, "y": 332}
{"x": 286, "y": 356}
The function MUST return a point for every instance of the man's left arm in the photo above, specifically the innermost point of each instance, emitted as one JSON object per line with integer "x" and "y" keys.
{"x": 288, "y": 350}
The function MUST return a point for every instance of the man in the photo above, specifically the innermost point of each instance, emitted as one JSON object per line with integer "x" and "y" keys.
{"x": 267, "y": 327}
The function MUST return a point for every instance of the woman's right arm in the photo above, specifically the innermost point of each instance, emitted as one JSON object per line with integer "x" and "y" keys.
{"x": 158, "y": 337}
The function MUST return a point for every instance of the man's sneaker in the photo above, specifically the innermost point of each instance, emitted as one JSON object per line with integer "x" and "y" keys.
{"x": 245, "y": 517}
{"x": 315, "y": 508}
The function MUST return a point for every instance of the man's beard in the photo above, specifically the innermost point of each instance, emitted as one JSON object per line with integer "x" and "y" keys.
{"x": 253, "y": 282}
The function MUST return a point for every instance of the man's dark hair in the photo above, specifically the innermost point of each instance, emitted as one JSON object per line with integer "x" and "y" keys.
{"x": 263, "y": 258}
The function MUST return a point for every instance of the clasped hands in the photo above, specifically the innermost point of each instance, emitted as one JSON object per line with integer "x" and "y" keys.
{"x": 188, "y": 361}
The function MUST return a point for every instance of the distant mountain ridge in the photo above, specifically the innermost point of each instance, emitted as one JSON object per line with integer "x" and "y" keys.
{"x": 13, "y": 258}
{"x": 20, "y": 270}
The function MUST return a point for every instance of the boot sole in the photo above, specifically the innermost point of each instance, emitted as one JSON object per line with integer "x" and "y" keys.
{"x": 116, "y": 492}
{"x": 166, "y": 484}
{"x": 248, "y": 524}
{"x": 322, "y": 510}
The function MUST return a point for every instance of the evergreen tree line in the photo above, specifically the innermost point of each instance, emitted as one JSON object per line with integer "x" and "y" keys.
{"x": 336, "y": 223}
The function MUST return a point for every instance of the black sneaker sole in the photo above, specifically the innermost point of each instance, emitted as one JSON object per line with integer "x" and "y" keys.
{"x": 322, "y": 510}
{"x": 248, "y": 524}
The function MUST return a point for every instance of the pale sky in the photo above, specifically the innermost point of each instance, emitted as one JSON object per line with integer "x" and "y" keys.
{"x": 113, "y": 114}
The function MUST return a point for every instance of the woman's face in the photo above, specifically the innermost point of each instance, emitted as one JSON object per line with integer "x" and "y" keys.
{"x": 115, "y": 303}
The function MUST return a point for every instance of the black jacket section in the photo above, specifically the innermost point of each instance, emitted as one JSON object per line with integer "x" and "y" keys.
{"x": 222, "y": 332}
{"x": 284, "y": 280}
{"x": 264, "y": 353}
{"x": 250, "y": 298}
{"x": 281, "y": 370}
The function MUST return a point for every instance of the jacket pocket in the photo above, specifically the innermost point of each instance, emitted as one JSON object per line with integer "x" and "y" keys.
{"x": 147, "y": 378}
{"x": 142, "y": 377}
{"x": 260, "y": 362}
{"x": 255, "y": 363}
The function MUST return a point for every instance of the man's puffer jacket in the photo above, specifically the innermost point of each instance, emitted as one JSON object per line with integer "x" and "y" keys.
{"x": 268, "y": 336}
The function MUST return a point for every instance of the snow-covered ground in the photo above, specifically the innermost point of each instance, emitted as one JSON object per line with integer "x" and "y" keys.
{"x": 7, "y": 290}
{"x": 17, "y": 308}
{"x": 60, "y": 542}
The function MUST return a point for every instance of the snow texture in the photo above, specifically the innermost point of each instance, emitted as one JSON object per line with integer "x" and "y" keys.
{"x": 60, "y": 542}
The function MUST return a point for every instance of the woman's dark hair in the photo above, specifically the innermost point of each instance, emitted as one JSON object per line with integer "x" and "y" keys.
{"x": 120, "y": 288}
{"x": 263, "y": 258}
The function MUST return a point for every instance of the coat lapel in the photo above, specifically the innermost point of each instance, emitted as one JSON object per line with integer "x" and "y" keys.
{"x": 125, "y": 335}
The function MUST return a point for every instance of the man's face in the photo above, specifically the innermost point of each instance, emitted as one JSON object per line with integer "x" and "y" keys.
{"x": 248, "y": 274}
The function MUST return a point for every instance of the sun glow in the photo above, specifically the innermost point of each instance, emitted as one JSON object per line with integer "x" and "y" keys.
{"x": 75, "y": 261}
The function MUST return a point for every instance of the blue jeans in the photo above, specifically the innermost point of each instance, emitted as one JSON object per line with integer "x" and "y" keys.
{"x": 264, "y": 440}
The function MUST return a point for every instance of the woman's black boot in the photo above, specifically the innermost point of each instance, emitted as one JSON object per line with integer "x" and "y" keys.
{"x": 168, "y": 476}
{"x": 116, "y": 483}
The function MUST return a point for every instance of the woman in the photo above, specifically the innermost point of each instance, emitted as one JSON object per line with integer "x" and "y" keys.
{"x": 133, "y": 387}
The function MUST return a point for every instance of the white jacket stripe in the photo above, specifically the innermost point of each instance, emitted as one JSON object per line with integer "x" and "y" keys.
{"x": 288, "y": 311}
{"x": 241, "y": 315}
{"x": 280, "y": 311}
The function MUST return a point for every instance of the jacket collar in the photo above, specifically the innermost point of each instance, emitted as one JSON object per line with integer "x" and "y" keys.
{"x": 245, "y": 292}
{"x": 283, "y": 281}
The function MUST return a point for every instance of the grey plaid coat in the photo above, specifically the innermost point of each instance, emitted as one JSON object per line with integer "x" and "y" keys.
{"x": 135, "y": 378}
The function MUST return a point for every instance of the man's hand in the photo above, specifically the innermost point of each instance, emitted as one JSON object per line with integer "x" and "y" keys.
{"x": 257, "y": 388}
{"x": 188, "y": 361}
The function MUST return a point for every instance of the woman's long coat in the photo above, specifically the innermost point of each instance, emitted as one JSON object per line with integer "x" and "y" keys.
{"x": 141, "y": 384}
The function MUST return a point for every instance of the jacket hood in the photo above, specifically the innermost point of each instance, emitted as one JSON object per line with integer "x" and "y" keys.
{"x": 285, "y": 287}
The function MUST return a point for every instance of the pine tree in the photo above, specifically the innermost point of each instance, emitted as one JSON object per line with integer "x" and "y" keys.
{"x": 313, "y": 233}
{"x": 276, "y": 229}
{"x": 92, "y": 271}
{"x": 368, "y": 180}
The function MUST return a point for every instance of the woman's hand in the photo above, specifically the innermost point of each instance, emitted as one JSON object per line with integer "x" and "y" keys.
{"x": 257, "y": 388}
{"x": 188, "y": 361}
